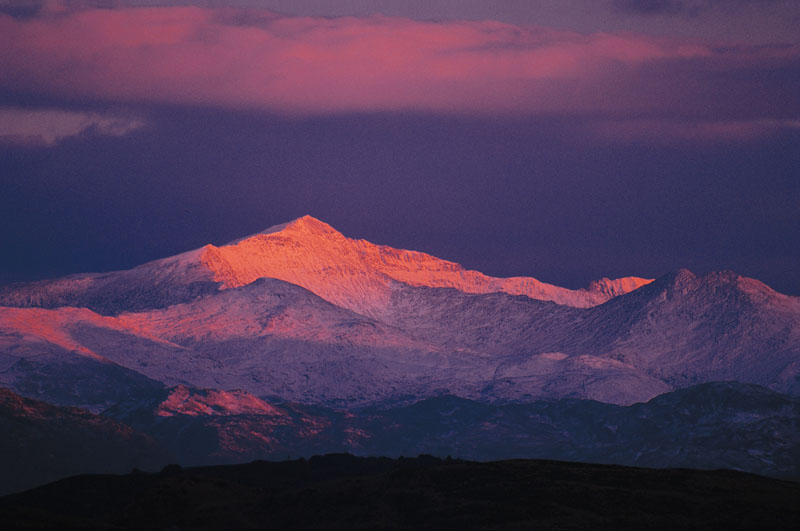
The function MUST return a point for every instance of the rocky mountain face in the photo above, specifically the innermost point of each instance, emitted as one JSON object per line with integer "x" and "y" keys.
{"x": 708, "y": 426}
{"x": 301, "y": 313}
{"x": 208, "y": 426}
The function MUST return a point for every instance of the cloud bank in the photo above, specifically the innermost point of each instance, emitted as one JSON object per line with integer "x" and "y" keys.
{"x": 254, "y": 59}
{"x": 49, "y": 126}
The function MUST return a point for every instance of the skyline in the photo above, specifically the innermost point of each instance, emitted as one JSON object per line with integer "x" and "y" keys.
{"x": 605, "y": 146}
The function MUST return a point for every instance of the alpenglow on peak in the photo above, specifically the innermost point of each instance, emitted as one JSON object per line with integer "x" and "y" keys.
{"x": 358, "y": 275}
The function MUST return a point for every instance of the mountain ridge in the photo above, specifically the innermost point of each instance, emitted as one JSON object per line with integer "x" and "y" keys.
{"x": 299, "y": 339}
{"x": 301, "y": 252}
{"x": 347, "y": 326}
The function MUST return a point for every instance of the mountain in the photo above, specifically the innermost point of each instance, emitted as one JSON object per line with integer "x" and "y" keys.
{"x": 345, "y": 492}
{"x": 680, "y": 329}
{"x": 359, "y": 275}
{"x": 301, "y": 313}
{"x": 40, "y": 443}
{"x": 686, "y": 329}
{"x": 352, "y": 274}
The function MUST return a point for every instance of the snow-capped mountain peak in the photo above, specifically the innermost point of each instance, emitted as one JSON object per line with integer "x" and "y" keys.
{"x": 357, "y": 274}
{"x": 303, "y": 225}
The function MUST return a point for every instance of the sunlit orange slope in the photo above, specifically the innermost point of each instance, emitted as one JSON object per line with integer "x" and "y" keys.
{"x": 359, "y": 275}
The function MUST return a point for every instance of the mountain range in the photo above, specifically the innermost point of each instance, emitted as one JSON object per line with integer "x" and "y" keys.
{"x": 298, "y": 340}
{"x": 301, "y": 313}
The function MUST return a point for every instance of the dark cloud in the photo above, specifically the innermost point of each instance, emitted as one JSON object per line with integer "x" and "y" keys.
{"x": 683, "y": 7}
{"x": 21, "y": 8}
{"x": 649, "y": 7}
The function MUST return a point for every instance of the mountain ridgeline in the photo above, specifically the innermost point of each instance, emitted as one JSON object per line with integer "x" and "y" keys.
{"x": 302, "y": 313}
{"x": 299, "y": 341}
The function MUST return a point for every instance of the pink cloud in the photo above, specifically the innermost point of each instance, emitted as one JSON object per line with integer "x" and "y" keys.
{"x": 255, "y": 59}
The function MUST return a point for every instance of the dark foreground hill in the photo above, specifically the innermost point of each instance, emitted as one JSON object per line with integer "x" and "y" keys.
{"x": 342, "y": 491}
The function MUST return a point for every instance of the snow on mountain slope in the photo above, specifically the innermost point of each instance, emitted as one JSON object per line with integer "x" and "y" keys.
{"x": 156, "y": 284}
{"x": 47, "y": 363}
{"x": 265, "y": 307}
{"x": 353, "y": 274}
{"x": 274, "y": 339}
{"x": 53, "y": 327}
{"x": 687, "y": 329}
{"x": 680, "y": 329}
{"x": 302, "y": 313}
{"x": 358, "y": 275}
{"x": 43, "y": 356}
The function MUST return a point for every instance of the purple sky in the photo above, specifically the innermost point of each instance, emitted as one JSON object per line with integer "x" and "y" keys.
{"x": 566, "y": 140}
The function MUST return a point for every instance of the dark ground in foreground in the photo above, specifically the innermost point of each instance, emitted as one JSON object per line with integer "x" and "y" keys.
{"x": 342, "y": 491}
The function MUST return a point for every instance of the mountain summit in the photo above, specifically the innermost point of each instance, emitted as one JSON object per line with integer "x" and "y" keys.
{"x": 353, "y": 274}
{"x": 358, "y": 275}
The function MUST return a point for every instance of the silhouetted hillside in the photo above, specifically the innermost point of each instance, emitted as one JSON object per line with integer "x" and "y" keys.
{"x": 341, "y": 491}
